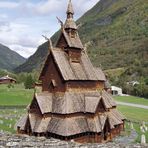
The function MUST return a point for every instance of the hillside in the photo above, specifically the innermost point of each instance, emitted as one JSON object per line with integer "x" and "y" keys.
{"x": 9, "y": 59}
{"x": 35, "y": 61}
{"x": 116, "y": 34}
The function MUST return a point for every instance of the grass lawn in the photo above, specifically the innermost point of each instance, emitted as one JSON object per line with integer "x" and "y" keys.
{"x": 131, "y": 99}
{"x": 135, "y": 114}
{"x": 17, "y": 96}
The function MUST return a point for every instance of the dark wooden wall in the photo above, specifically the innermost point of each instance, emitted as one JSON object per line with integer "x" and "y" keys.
{"x": 61, "y": 42}
{"x": 52, "y": 73}
{"x": 87, "y": 85}
{"x": 7, "y": 81}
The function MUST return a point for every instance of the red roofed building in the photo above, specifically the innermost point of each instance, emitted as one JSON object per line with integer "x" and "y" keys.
{"x": 7, "y": 80}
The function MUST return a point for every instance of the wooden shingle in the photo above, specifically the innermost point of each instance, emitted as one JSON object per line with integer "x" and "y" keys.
{"x": 76, "y": 71}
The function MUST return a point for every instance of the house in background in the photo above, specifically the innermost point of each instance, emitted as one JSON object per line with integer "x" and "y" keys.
{"x": 116, "y": 91}
{"x": 7, "y": 80}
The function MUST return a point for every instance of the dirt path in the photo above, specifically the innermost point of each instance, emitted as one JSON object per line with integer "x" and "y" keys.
{"x": 132, "y": 104}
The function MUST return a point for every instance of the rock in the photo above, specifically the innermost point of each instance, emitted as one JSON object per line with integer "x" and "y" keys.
{"x": 131, "y": 126}
{"x": 12, "y": 144}
{"x": 143, "y": 123}
{"x": 41, "y": 138}
{"x": 143, "y": 139}
{"x": 28, "y": 144}
{"x": 23, "y": 141}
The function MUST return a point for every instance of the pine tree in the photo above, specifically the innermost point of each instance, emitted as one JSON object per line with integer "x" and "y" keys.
{"x": 29, "y": 82}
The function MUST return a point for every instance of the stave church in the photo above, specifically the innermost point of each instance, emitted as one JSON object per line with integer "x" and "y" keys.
{"x": 73, "y": 103}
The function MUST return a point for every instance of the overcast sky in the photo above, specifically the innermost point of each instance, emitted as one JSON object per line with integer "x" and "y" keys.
{"x": 23, "y": 22}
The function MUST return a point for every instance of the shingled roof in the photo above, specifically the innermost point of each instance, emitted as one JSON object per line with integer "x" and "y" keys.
{"x": 72, "y": 102}
{"x": 75, "y": 71}
{"x": 22, "y": 122}
{"x": 72, "y": 42}
{"x": 74, "y": 125}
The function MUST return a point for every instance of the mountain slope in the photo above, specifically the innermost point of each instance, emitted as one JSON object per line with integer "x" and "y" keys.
{"x": 115, "y": 33}
{"x": 35, "y": 61}
{"x": 9, "y": 59}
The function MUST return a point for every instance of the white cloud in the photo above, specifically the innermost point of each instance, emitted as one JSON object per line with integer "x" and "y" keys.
{"x": 3, "y": 16}
{"x": 11, "y": 32}
{"x": 4, "y": 4}
{"x": 25, "y": 24}
{"x": 49, "y": 6}
{"x": 24, "y": 51}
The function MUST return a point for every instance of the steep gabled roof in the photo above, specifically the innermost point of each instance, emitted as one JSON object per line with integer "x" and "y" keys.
{"x": 44, "y": 102}
{"x": 72, "y": 42}
{"x": 114, "y": 118}
{"x": 76, "y": 71}
{"x": 108, "y": 100}
{"x": 22, "y": 122}
{"x": 70, "y": 23}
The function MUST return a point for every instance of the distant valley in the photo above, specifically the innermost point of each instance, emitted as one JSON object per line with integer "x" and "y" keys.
{"x": 9, "y": 59}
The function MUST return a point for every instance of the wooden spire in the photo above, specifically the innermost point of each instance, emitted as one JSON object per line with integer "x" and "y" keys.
{"x": 70, "y": 23}
{"x": 70, "y": 8}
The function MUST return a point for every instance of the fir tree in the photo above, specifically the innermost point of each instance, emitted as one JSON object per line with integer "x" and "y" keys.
{"x": 29, "y": 82}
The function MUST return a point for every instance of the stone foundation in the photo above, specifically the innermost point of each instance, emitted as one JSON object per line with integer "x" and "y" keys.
{"x": 21, "y": 141}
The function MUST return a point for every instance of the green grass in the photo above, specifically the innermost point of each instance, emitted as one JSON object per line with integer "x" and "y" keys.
{"x": 131, "y": 99}
{"x": 17, "y": 96}
{"x": 135, "y": 114}
{"x": 13, "y": 97}
{"x": 115, "y": 72}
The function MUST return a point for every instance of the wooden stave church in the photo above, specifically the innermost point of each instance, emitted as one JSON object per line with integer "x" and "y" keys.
{"x": 73, "y": 104}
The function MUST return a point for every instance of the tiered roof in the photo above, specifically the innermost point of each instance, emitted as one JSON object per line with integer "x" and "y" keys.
{"x": 73, "y": 125}
{"x": 73, "y": 102}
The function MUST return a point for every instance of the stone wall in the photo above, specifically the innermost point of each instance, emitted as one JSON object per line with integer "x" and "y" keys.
{"x": 24, "y": 141}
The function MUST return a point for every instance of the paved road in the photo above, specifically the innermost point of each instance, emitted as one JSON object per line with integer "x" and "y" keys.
{"x": 133, "y": 105}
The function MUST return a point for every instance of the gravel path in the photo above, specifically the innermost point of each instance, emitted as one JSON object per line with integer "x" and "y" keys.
{"x": 132, "y": 104}
{"x": 127, "y": 139}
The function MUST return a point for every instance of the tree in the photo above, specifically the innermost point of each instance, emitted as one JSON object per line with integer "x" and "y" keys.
{"x": 29, "y": 82}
